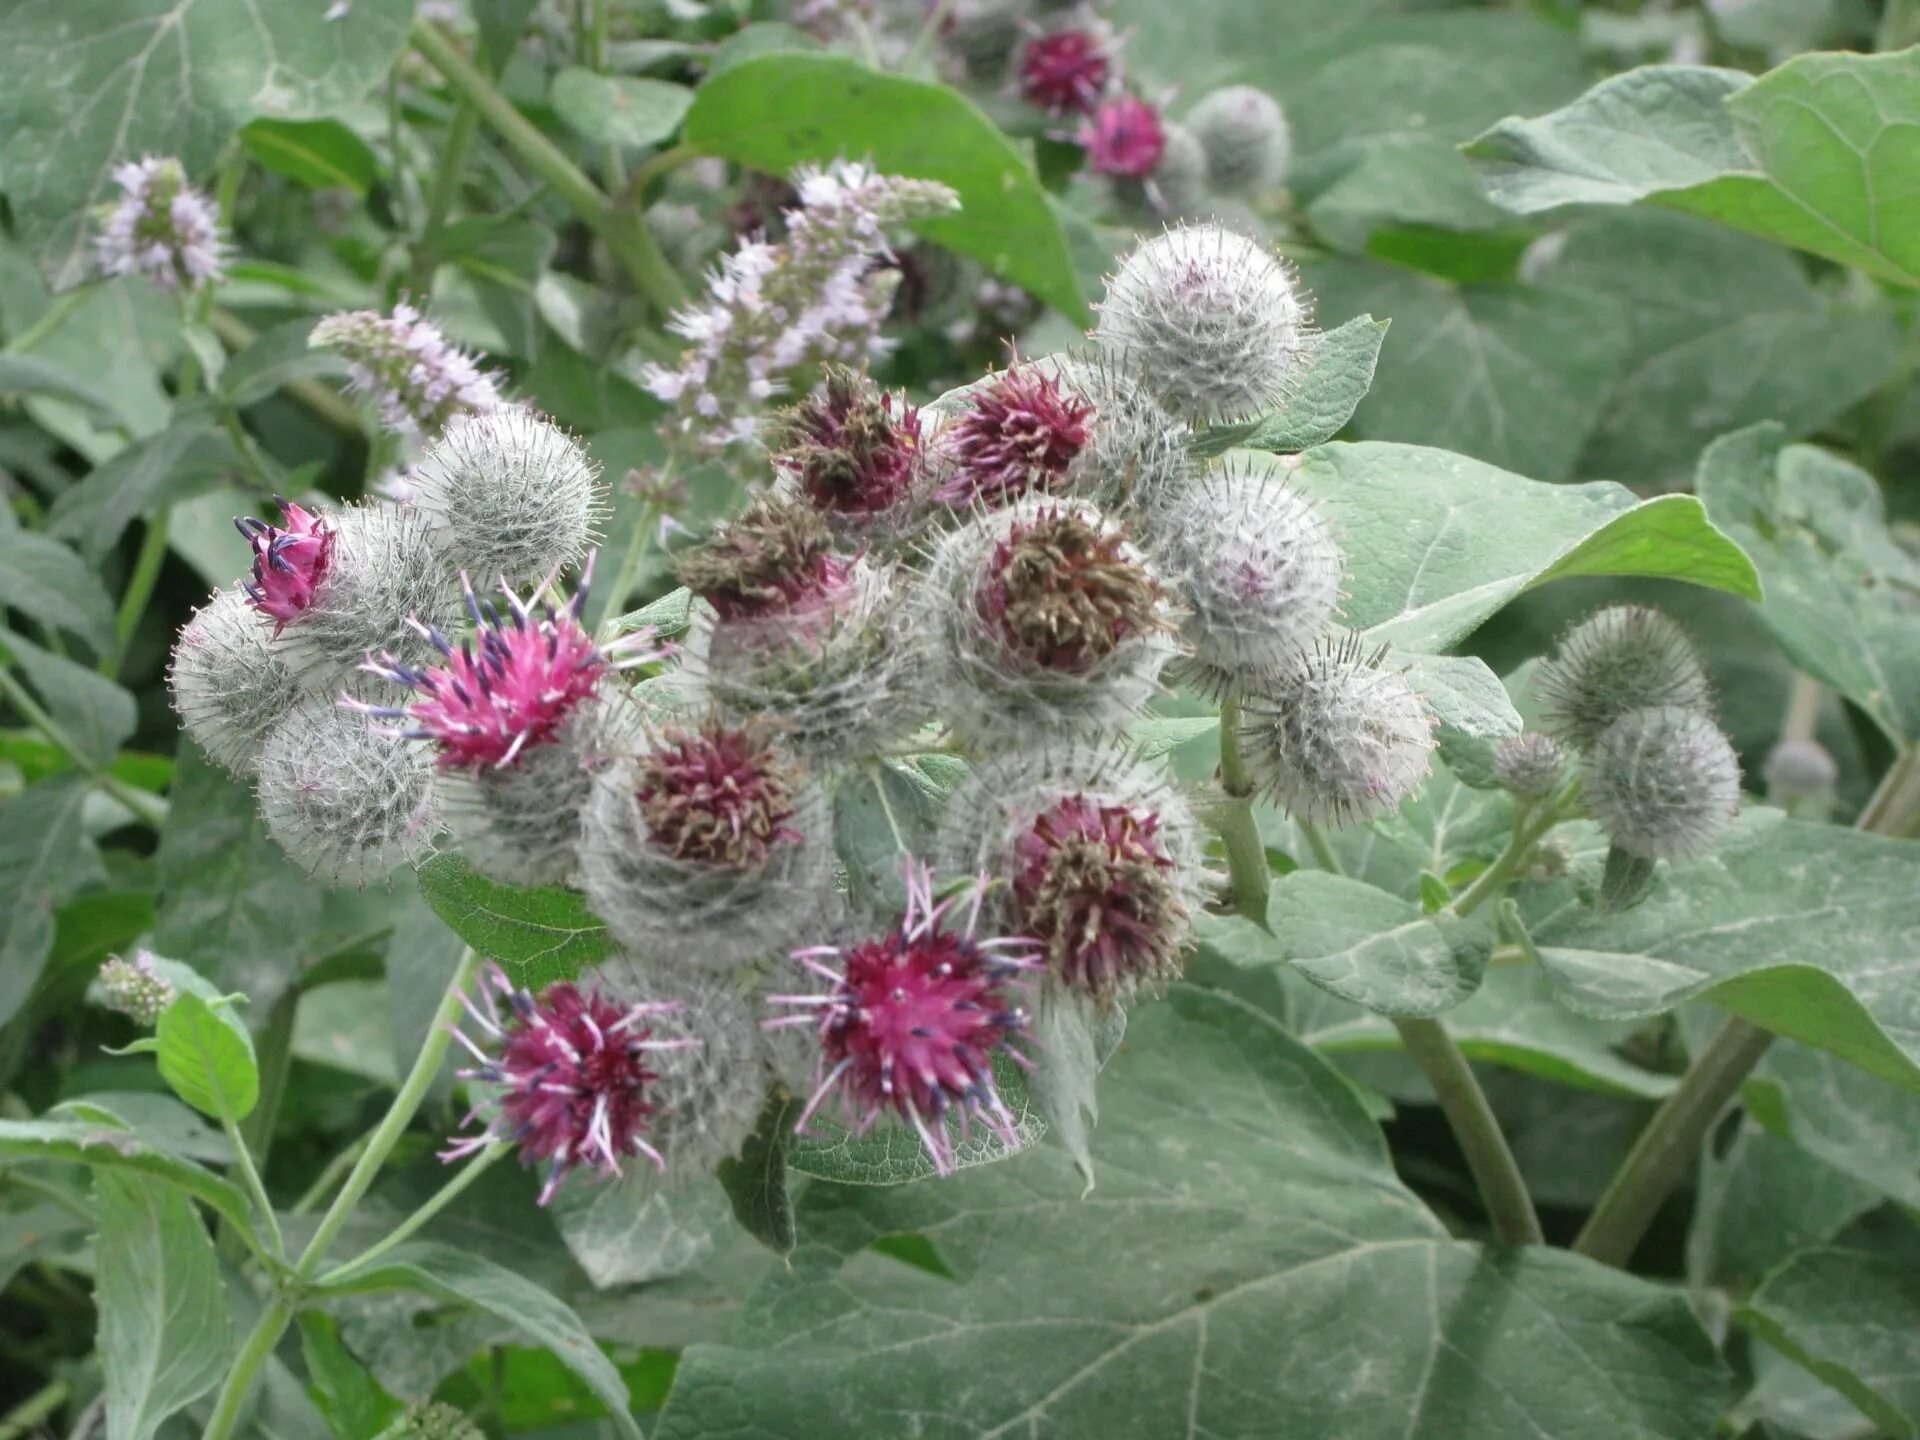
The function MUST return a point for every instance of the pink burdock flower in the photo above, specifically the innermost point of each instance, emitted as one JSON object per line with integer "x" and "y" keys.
{"x": 418, "y": 379}
{"x": 911, "y": 1022}
{"x": 773, "y": 562}
{"x": 718, "y": 794}
{"x": 1097, "y": 889}
{"x": 1019, "y": 433}
{"x": 1124, "y": 138}
{"x": 289, "y": 561}
{"x": 571, "y": 1067}
{"x": 1064, "y": 592}
{"x": 161, "y": 228}
{"x": 512, "y": 687}
{"x": 852, "y": 448}
{"x": 1066, "y": 72}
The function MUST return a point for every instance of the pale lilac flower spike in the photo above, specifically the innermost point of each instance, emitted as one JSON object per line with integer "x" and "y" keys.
{"x": 419, "y": 380}
{"x": 161, "y": 228}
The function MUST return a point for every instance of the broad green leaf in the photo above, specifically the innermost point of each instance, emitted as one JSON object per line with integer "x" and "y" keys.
{"x": 1163, "y": 734}
{"x": 1382, "y": 953}
{"x": 165, "y": 1333}
{"x": 1758, "y": 1200}
{"x": 43, "y": 579}
{"x": 1509, "y": 374}
{"x": 38, "y": 1232}
{"x": 352, "y": 1400}
{"x": 669, "y": 616}
{"x": 1471, "y": 709}
{"x": 30, "y": 375}
{"x": 539, "y": 935}
{"x": 1076, "y": 1040}
{"x": 228, "y": 898}
{"x": 1820, "y": 154}
{"x": 319, "y": 154}
{"x": 1249, "y": 1266}
{"x": 94, "y": 712}
{"x": 1849, "y": 1312}
{"x": 1811, "y": 931}
{"x": 180, "y": 461}
{"x": 422, "y": 955}
{"x": 1395, "y": 181}
{"x": 45, "y": 858}
{"x": 618, "y": 109}
{"x": 882, "y": 814}
{"x": 1726, "y": 330}
{"x": 458, "y": 1277}
{"x": 112, "y": 1147}
{"x": 206, "y": 1055}
{"x": 1338, "y": 371}
{"x": 277, "y": 356}
{"x": 1435, "y": 543}
{"x": 1841, "y": 1116}
{"x": 781, "y": 110}
{"x": 86, "y": 84}
{"x": 630, "y": 1231}
{"x": 117, "y": 336}
{"x": 1838, "y": 587}
{"x": 755, "y": 1180}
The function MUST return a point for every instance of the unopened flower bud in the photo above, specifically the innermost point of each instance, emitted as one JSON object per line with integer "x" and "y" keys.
{"x": 1178, "y": 184}
{"x": 134, "y": 988}
{"x": 1337, "y": 738}
{"x": 1662, "y": 782}
{"x": 229, "y": 687}
{"x": 1208, "y": 319}
{"x": 1065, "y": 72}
{"x": 1529, "y": 766}
{"x": 1626, "y": 657}
{"x": 1245, "y": 137}
{"x": 1124, "y": 138}
{"x": 511, "y": 496}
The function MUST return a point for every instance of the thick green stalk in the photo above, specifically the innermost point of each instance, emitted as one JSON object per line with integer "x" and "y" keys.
{"x": 253, "y": 1354}
{"x": 413, "y": 1090}
{"x": 624, "y": 234}
{"x": 446, "y": 186}
{"x": 133, "y": 604}
{"x": 1232, "y": 820}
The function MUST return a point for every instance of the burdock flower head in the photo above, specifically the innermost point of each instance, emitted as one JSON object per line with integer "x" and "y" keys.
{"x": 289, "y": 561}
{"x": 1019, "y": 432}
{"x": 775, "y": 560}
{"x": 851, "y": 449}
{"x": 1067, "y": 71}
{"x": 1124, "y": 138}
{"x": 1065, "y": 593}
{"x": 572, "y": 1075}
{"x": 911, "y": 1021}
{"x": 161, "y": 228}
{"x": 417, "y": 378}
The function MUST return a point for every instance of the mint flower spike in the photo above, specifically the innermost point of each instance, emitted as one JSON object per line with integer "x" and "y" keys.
{"x": 417, "y": 379}
{"x": 911, "y": 1022}
{"x": 570, "y": 1077}
{"x": 162, "y": 228}
{"x": 134, "y": 988}
{"x": 776, "y": 309}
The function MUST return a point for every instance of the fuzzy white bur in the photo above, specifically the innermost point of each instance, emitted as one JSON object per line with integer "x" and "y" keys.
{"x": 229, "y": 686}
{"x": 1663, "y": 782}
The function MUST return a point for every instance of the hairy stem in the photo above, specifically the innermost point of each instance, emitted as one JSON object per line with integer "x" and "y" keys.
{"x": 439, "y": 1201}
{"x": 1669, "y": 1146}
{"x": 1249, "y": 876}
{"x": 1529, "y": 827}
{"x": 1495, "y": 1173}
{"x": 133, "y": 604}
{"x": 253, "y": 1354}
{"x": 413, "y": 1090}
{"x": 1322, "y": 847}
{"x": 623, "y": 233}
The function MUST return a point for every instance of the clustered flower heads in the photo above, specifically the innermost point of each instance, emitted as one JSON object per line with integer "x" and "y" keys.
{"x": 161, "y": 227}
{"x": 417, "y": 378}
{"x": 778, "y": 308}
{"x": 134, "y": 988}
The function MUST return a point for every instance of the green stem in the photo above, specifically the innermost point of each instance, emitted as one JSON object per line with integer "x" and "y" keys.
{"x": 253, "y": 1354}
{"x": 1248, "y": 874}
{"x": 30, "y": 1413}
{"x": 439, "y": 1201}
{"x": 1322, "y": 847}
{"x": 150, "y": 809}
{"x": 644, "y": 529}
{"x": 1670, "y": 1145}
{"x": 386, "y": 1135}
{"x": 1529, "y": 825}
{"x": 633, "y": 193}
{"x": 446, "y": 188}
{"x": 50, "y": 320}
{"x": 1896, "y": 800}
{"x": 133, "y": 604}
{"x": 624, "y": 234}
{"x": 330, "y": 1174}
{"x": 275, "y": 1061}
{"x": 256, "y": 1189}
{"x": 1491, "y": 1162}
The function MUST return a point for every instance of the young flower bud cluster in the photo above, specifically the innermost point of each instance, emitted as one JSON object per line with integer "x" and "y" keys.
{"x": 134, "y": 988}
{"x": 1529, "y": 766}
{"x": 1626, "y": 688}
{"x": 775, "y": 309}
{"x": 161, "y": 227}
{"x": 418, "y": 380}
{"x": 1244, "y": 136}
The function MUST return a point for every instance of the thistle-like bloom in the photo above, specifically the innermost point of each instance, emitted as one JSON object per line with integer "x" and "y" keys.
{"x": 912, "y": 1020}
{"x": 134, "y": 988}
{"x": 419, "y": 380}
{"x": 161, "y": 227}
{"x": 1124, "y": 138}
{"x": 289, "y": 561}
{"x": 775, "y": 560}
{"x": 1065, "y": 592}
{"x": 1066, "y": 72}
{"x": 718, "y": 795}
{"x": 572, "y": 1068}
{"x": 1019, "y": 433}
{"x": 775, "y": 308}
{"x": 851, "y": 448}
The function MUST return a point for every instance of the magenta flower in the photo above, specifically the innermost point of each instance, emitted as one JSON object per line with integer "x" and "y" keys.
{"x": 775, "y": 562}
{"x": 1065, "y": 72}
{"x": 289, "y": 562}
{"x": 1064, "y": 592}
{"x": 1098, "y": 891}
{"x": 512, "y": 687}
{"x": 717, "y": 795}
{"x": 853, "y": 448}
{"x": 1020, "y": 433}
{"x": 1124, "y": 138}
{"x": 912, "y": 1020}
{"x": 572, "y": 1070}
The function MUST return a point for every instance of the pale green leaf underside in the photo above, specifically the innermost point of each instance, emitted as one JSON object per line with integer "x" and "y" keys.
{"x": 1248, "y": 1266}
{"x": 540, "y": 935}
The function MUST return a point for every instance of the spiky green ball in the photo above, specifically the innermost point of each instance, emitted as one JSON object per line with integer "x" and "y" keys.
{"x": 1626, "y": 657}
{"x": 229, "y": 686}
{"x": 1663, "y": 782}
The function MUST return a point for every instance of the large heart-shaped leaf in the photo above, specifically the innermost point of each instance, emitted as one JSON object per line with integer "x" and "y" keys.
{"x": 1249, "y": 1266}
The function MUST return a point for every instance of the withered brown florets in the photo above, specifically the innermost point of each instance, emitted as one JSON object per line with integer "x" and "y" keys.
{"x": 717, "y": 794}
{"x": 775, "y": 556}
{"x": 1065, "y": 592}
{"x": 853, "y": 448}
